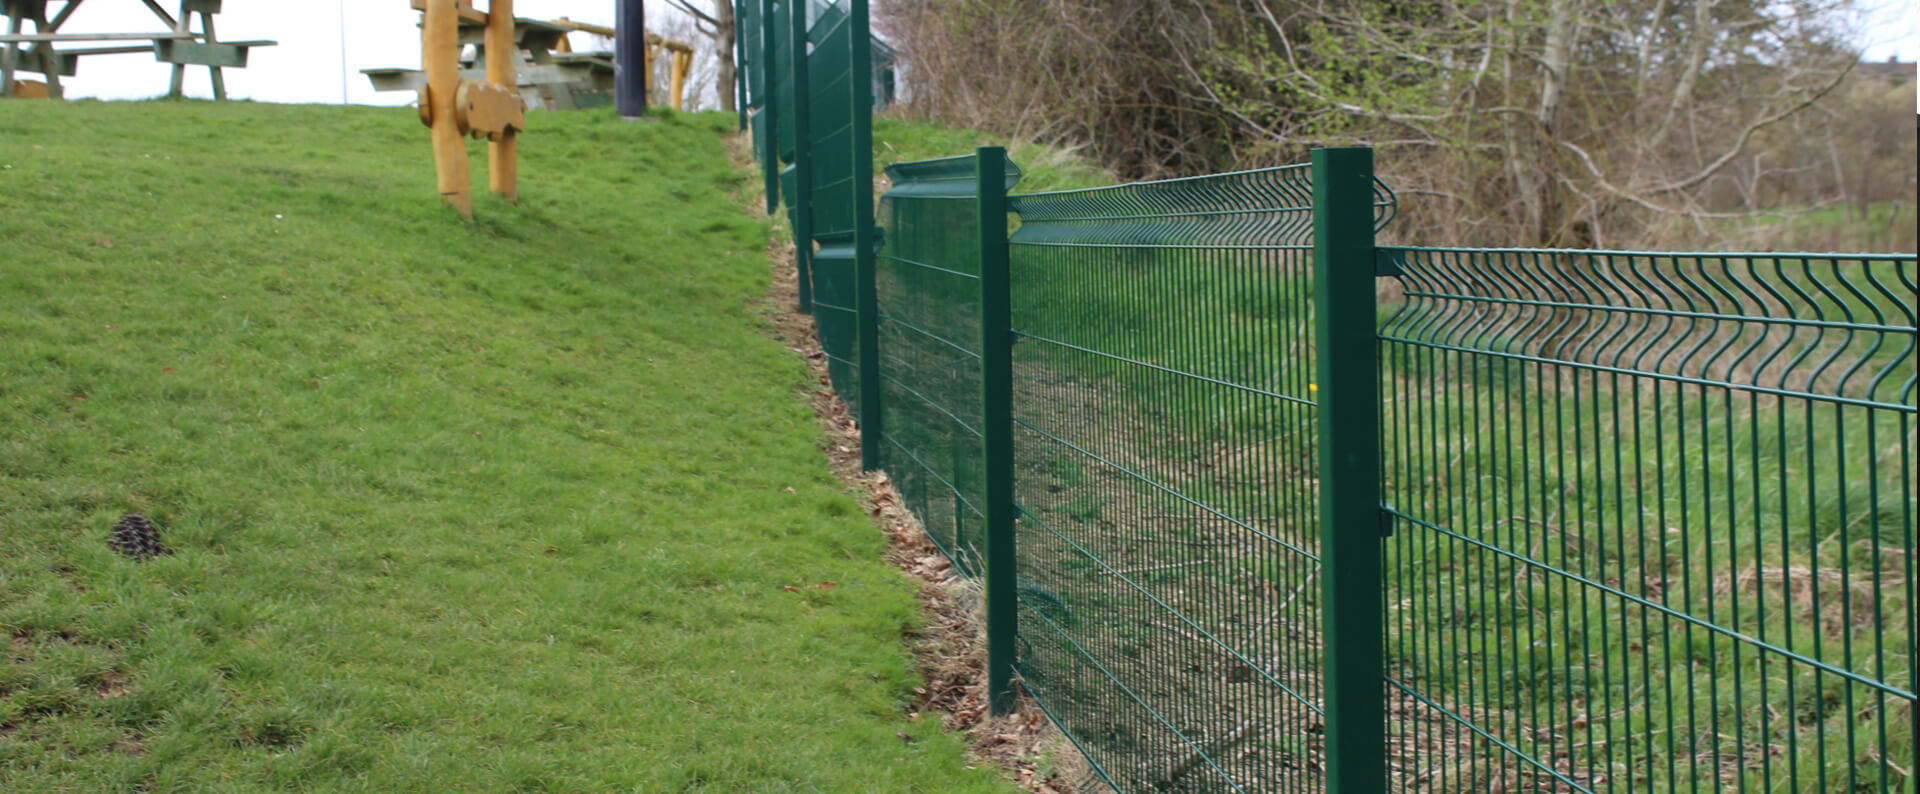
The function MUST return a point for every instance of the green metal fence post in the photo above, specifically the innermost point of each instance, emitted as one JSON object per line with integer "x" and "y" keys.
{"x": 801, "y": 202}
{"x": 769, "y": 114}
{"x": 996, "y": 412}
{"x": 864, "y": 243}
{"x": 1348, "y": 404}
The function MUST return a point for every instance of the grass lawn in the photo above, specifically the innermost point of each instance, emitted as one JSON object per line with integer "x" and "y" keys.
{"x": 530, "y": 504}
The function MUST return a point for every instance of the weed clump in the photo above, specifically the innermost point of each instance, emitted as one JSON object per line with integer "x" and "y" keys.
{"x": 136, "y": 538}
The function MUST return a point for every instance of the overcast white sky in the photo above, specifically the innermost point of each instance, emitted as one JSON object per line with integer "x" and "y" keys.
{"x": 307, "y": 64}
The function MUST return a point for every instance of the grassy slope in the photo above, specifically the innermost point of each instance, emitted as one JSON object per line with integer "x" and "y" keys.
{"x": 505, "y": 506}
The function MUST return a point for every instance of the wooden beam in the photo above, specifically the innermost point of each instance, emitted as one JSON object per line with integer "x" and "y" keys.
{"x": 464, "y": 8}
{"x": 440, "y": 57}
{"x": 177, "y": 88}
{"x": 172, "y": 23}
{"x": 214, "y": 75}
{"x": 503, "y": 53}
{"x": 24, "y": 38}
{"x": 8, "y": 54}
{"x": 61, "y": 18}
{"x": 41, "y": 58}
{"x": 76, "y": 53}
{"x": 191, "y": 53}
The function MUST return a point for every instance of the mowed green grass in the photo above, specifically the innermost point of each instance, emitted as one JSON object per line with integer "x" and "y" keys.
{"x": 531, "y": 504}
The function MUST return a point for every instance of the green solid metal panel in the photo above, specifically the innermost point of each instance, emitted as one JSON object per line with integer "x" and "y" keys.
{"x": 204, "y": 6}
{"x": 193, "y": 53}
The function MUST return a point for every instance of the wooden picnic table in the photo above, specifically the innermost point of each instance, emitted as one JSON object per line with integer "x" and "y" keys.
{"x": 179, "y": 45}
{"x": 548, "y": 73}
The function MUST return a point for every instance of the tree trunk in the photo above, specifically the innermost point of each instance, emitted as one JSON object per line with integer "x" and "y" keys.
{"x": 723, "y": 51}
{"x": 1555, "y": 60}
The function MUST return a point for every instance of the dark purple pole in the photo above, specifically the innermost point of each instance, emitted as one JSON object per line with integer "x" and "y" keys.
{"x": 630, "y": 58}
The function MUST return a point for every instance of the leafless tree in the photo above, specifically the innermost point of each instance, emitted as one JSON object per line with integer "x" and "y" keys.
{"x": 1550, "y": 122}
{"x": 718, "y": 27}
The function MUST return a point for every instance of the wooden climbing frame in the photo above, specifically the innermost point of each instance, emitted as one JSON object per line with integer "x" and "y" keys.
{"x": 453, "y": 107}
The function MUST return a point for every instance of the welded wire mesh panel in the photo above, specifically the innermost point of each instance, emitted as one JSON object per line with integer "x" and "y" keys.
{"x": 1165, "y": 441}
{"x": 928, "y": 281}
{"x": 1655, "y": 522}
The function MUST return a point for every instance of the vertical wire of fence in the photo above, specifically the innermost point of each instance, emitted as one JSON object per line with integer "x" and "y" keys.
{"x": 1656, "y": 521}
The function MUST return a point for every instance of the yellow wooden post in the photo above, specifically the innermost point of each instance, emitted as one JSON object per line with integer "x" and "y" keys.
{"x": 681, "y": 60}
{"x": 502, "y": 51}
{"x": 440, "y": 57}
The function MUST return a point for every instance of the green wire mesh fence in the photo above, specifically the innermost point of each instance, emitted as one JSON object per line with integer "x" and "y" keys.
{"x": 929, "y": 313}
{"x": 1166, "y": 444}
{"x": 1655, "y": 521}
{"x": 1282, "y": 510}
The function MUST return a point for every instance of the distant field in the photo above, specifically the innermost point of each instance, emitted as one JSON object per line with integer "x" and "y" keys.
{"x": 1882, "y": 226}
{"x": 534, "y": 504}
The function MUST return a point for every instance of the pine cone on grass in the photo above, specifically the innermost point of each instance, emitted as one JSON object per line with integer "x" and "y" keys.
{"x": 137, "y": 538}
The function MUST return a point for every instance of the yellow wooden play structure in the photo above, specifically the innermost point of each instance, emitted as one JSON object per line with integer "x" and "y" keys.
{"x": 492, "y": 104}
{"x": 453, "y": 106}
{"x": 550, "y": 73}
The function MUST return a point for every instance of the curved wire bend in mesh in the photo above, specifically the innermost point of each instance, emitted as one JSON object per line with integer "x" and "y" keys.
{"x": 1826, "y": 327}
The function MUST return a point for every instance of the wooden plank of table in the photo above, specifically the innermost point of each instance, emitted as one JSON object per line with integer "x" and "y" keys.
{"x": 23, "y": 38}
{"x": 192, "y": 53}
{"x": 76, "y": 53}
{"x": 34, "y": 59}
